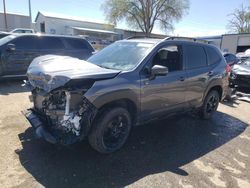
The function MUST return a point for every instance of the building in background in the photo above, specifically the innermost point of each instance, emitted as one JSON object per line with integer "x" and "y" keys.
{"x": 232, "y": 43}
{"x": 97, "y": 32}
{"x": 52, "y": 23}
{"x": 214, "y": 40}
{"x": 14, "y": 21}
{"x": 235, "y": 43}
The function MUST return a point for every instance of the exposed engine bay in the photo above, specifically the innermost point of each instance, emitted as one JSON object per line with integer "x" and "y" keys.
{"x": 67, "y": 115}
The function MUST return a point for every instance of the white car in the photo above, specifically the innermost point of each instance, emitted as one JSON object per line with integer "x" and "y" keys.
{"x": 22, "y": 30}
{"x": 243, "y": 55}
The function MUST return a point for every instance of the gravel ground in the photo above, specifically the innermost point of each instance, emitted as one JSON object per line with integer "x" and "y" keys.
{"x": 179, "y": 152}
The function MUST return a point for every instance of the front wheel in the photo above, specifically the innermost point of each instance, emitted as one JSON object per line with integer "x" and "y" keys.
{"x": 210, "y": 104}
{"x": 111, "y": 130}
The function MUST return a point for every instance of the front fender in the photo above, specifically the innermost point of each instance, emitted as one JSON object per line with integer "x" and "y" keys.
{"x": 106, "y": 91}
{"x": 115, "y": 96}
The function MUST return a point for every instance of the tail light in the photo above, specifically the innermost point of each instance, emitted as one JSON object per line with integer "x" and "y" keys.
{"x": 228, "y": 69}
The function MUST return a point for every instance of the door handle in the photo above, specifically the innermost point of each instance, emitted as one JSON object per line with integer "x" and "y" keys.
{"x": 182, "y": 78}
{"x": 210, "y": 73}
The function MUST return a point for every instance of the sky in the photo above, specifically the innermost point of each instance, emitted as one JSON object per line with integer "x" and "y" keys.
{"x": 204, "y": 18}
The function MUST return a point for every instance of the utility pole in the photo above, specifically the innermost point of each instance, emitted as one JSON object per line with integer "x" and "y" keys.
{"x": 5, "y": 16}
{"x": 30, "y": 14}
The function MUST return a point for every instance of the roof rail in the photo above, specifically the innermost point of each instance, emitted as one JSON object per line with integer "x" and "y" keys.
{"x": 187, "y": 39}
{"x": 141, "y": 37}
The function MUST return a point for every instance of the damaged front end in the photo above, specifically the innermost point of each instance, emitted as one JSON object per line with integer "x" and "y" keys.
{"x": 61, "y": 112}
{"x": 61, "y": 116}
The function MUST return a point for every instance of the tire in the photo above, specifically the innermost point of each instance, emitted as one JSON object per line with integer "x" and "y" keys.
{"x": 111, "y": 130}
{"x": 210, "y": 104}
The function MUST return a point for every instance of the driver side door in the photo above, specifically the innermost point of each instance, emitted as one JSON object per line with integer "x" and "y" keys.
{"x": 16, "y": 62}
{"x": 163, "y": 94}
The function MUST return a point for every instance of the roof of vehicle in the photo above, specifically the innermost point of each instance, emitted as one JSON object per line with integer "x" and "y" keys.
{"x": 48, "y": 35}
{"x": 157, "y": 40}
{"x": 145, "y": 40}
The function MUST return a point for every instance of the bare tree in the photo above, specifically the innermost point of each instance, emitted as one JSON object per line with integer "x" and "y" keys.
{"x": 145, "y": 14}
{"x": 240, "y": 20}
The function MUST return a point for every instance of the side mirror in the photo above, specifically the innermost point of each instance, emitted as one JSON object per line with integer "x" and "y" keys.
{"x": 11, "y": 47}
{"x": 158, "y": 70}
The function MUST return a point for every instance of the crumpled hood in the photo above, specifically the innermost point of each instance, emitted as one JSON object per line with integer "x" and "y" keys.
{"x": 241, "y": 69}
{"x": 52, "y": 71}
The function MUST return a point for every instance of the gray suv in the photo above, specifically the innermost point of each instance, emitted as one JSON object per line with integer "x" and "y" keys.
{"x": 128, "y": 83}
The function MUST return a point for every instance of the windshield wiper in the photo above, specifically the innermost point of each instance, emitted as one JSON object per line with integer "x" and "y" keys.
{"x": 105, "y": 67}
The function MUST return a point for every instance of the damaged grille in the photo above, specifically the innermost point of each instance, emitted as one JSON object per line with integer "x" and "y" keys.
{"x": 244, "y": 78}
{"x": 69, "y": 114}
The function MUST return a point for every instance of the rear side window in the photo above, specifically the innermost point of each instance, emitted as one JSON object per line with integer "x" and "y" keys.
{"x": 25, "y": 43}
{"x": 78, "y": 44}
{"x": 213, "y": 56}
{"x": 196, "y": 57}
{"x": 51, "y": 43}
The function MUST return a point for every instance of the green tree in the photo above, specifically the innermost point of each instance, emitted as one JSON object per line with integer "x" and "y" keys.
{"x": 145, "y": 14}
{"x": 240, "y": 20}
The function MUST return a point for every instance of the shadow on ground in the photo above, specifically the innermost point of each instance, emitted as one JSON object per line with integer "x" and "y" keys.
{"x": 158, "y": 147}
{"x": 12, "y": 86}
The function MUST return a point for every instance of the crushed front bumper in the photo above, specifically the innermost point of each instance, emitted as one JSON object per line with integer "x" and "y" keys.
{"x": 39, "y": 127}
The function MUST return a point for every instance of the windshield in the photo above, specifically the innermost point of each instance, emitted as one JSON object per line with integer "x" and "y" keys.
{"x": 121, "y": 55}
{"x": 247, "y": 62}
{"x": 6, "y": 39}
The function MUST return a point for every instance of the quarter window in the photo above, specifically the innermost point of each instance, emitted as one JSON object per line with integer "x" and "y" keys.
{"x": 213, "y": 56}
{"x": 196, "y": 57}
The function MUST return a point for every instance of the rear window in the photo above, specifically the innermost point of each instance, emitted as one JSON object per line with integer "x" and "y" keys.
{"x": 213, "y": 56}
{"x": 196, "y": 57}
{"x": 79, "y": 44}
{"x": 50, "y": 43}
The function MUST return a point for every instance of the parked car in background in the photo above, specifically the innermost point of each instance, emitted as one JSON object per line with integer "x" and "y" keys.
{"x": 22, "y": 30}
{"x": 243, "y": 55}
{"x": 18, "y": 50}
{"x": 130, "y": 82}
{"x": 231, "y": 59}
{"x": 240, "y": 75}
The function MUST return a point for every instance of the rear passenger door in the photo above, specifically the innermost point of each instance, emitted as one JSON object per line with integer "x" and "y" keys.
{"x": 16, "y": 62}
{"x": 50, "y": 45}
{"x": 78, "y": 48}
{"x": 198, "y": 73}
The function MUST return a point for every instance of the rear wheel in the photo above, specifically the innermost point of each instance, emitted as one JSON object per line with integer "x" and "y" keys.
{"x": 210, "y": 104}
{"x": 111, "y": 130}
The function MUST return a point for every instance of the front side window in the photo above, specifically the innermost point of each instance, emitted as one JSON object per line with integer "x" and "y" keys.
{"x": 195, "y": 57}
{"x": 169, "y": 56}
{"x": 25, "y": 43}
{"x": 121, "y": 55}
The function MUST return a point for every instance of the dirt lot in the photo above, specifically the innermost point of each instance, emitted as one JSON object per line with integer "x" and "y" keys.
{"x": 179, "y": 152}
